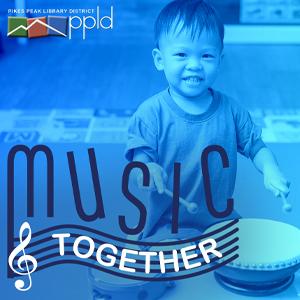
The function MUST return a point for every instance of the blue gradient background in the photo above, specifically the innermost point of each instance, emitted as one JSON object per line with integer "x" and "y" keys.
{"x": 114, "y": 71}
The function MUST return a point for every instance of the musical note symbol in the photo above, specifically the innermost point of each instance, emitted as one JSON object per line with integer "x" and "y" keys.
{"x": 19, "y": 284}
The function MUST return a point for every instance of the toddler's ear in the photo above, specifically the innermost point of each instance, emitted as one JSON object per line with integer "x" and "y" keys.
{"x": 157, "y": 58}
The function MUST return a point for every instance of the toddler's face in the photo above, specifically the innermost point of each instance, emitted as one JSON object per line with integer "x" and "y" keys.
{"x": 190, "y": 66}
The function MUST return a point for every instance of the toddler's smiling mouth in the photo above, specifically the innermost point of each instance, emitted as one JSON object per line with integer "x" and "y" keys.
{"x": 193, "y": 79}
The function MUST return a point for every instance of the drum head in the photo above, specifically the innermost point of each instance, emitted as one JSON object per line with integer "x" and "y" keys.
{"x": 269, "y": 254}
{"x": 111, "y": 287}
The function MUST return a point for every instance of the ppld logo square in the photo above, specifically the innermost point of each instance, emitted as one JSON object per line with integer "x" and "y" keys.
{"x": 37, "y": 27}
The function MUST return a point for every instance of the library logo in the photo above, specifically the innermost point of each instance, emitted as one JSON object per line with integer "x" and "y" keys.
{"x": 63, "y": 26}
{"x": 37, "y": 27}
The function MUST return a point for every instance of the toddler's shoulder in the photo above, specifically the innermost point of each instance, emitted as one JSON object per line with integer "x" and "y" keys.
{"x": 226, "y": 99}
{"x": 230, "y": 103}
{"x": 151, "y": 106}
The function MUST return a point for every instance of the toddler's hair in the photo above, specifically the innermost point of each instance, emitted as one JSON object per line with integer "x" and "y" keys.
{"x": 190, "y": 15}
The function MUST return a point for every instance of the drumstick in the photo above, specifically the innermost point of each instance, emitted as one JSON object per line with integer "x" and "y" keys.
{"x": 286, "y": 207}
{"x": 191, "y": 207}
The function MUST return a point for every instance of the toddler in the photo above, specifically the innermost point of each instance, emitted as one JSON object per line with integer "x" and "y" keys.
{"x": 177, "y": 124}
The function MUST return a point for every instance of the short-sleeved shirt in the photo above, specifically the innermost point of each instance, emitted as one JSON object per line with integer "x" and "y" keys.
{"x": 168, "y": 134}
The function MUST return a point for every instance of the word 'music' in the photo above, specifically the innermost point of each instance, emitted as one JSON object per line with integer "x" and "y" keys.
{"x": 99, "y": 212}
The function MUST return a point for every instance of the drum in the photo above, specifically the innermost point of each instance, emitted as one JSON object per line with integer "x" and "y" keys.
{"x": 109, "y": 287}
{"x": 269, "y": 255}
{"x": 105, "y": 286}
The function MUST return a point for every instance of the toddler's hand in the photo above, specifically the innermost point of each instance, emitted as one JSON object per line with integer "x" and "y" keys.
{"x": 275, "y": 182}
{"x": 158, "y": 178}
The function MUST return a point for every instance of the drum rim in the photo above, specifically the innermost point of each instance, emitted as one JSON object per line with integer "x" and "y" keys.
{"x": 266, "y": 267}
{"x": 131, "y": 282}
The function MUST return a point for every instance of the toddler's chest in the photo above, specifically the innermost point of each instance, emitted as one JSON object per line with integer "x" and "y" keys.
{"x": 217, "y": 130}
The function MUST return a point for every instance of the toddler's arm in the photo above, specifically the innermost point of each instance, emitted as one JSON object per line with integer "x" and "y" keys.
{"x": 158, "y": 176}
{"x": 274, "y": 180}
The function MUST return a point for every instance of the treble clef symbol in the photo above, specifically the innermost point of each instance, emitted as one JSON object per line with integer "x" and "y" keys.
{"x": 19, "y": 284}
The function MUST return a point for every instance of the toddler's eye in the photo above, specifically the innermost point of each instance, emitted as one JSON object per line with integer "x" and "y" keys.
{"x": 180, "y": 54}
{"x": 209, "y": 56}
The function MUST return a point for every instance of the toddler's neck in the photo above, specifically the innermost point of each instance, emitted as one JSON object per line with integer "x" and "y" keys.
{"x": 193, "y": 106}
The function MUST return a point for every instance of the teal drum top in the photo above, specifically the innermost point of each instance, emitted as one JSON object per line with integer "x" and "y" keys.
{"x": 263, "y": 244}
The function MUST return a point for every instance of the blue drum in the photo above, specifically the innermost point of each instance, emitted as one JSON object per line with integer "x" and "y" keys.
{"x": 110, "y": 287}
